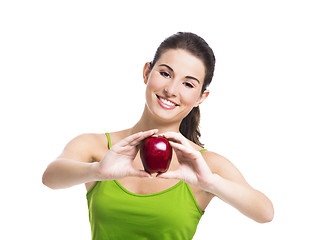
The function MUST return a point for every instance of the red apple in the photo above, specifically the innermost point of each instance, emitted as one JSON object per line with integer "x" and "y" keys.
{"x": 155, "y": 154}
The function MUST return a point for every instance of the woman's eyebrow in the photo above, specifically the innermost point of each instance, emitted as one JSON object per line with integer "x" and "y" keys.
{"x": 189, "y": 77}
{"x": 165, "y": 65}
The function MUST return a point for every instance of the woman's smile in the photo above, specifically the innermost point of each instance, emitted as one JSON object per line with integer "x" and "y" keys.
{"x": 166, "y": 103}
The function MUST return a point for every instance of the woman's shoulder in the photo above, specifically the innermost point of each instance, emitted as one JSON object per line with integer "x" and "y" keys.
{"x": 88, "y": 139}
{"x": 84, "y": 147}
{"x": 85, "y": 142}
{"x": 98, "y": 139}
{"x": 213, "y": 158}
{"x": 118, "y": 135}
{"x": 222, "y": 166}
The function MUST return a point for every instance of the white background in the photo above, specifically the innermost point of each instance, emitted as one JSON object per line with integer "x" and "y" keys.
{"x": 71, "y": 67}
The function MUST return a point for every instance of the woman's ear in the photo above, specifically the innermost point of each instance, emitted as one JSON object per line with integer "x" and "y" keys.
{"x": 203, "y": 97}
{"x": 146, "y": 72}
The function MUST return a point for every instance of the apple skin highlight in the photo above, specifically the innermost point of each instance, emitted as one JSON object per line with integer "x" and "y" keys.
{"x": 155, "y": 154}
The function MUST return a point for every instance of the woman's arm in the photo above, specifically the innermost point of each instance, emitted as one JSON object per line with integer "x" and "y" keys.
{"x": 216, "y": 175}
{"x": 227, "y": 183}
{"x": 77, "y": 165}
{"x": 74, "y": 166}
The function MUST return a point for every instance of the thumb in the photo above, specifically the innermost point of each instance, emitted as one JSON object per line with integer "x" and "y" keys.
{"x": 169, "y": 175}
{"x": 139, "y": 173}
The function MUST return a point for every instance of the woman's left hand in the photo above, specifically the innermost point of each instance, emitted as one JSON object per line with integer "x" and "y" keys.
{"x": 193, "y": 168}
{"x": 229, "y": 185}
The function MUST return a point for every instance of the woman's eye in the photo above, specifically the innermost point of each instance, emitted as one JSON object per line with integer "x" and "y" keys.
{"x": 165, "y": 74}
{"x": 189, "y": 85}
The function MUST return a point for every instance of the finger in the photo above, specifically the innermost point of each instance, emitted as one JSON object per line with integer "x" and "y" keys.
{"x": 169, "y": 175}
{"x": 171, "y": 135}
{"x": 143, "y": 135}
{"x": 136, "y": 138}
{"x": 180, "y": 147}
{"x": 177, "y": 137}
{"x": 139, "y": 173}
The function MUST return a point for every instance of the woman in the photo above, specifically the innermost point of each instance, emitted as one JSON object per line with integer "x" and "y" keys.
{"x": 124, "y": 201}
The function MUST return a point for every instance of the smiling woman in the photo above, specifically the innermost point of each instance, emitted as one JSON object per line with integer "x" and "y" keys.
{"x": 198, "y": 47}
{"x": 172, "y": 84}
{"x": 123, "y": 199}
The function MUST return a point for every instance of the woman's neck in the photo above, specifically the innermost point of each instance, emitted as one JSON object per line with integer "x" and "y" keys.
{"x": 148, "y": 122}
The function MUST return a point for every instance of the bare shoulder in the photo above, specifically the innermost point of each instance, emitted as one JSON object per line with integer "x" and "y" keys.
{"x": 222, "y": 166}
{"x": 115, "y": 137}
{"x": 86, "y": 140}
{"x": 85, "y": 147}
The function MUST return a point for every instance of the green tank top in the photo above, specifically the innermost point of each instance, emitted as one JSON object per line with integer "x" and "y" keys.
{"x": 116, "y": 213}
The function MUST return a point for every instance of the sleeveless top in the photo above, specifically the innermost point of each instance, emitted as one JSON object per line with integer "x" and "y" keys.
{"x": 116, "y": 213}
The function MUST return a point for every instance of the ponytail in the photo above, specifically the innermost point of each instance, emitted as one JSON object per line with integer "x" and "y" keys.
{"x": 189, "y": 126}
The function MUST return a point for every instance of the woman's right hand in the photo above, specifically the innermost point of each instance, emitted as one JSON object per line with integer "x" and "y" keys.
{"x": 117, "y": 162}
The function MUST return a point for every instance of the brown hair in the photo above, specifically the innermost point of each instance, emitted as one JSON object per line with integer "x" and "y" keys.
{"x": 198, "y": 47}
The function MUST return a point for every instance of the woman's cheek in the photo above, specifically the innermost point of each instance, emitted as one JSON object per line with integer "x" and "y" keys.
{"x": 154, "y": 83}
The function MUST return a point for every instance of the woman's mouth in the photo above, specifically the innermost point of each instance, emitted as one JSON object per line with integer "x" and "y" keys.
{"x": 166, "y": 103}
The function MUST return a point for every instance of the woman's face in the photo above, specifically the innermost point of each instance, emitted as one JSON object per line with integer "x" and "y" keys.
{"x": 174, "y": 85}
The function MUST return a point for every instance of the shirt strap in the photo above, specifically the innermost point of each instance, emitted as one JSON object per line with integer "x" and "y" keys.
{"x": 109, "y": 140}
{"x": 203, "y": 149}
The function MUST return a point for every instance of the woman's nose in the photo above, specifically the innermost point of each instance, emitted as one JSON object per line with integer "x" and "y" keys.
{"x": 171, "y": 89}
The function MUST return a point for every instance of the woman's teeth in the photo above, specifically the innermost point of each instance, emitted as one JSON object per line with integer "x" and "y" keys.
{"x": 167, "y": 102}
